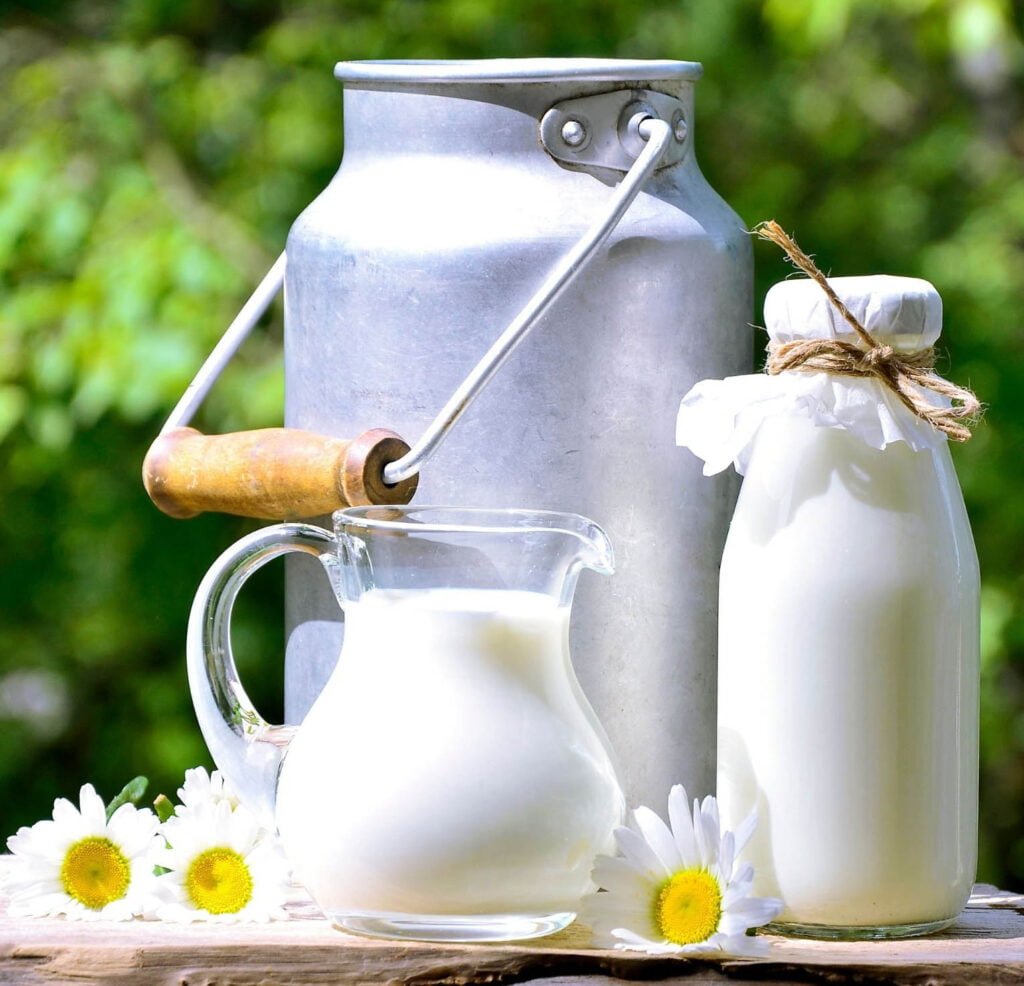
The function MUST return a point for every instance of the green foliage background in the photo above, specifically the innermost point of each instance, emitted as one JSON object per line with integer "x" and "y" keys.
{"x": 152, "y": 156}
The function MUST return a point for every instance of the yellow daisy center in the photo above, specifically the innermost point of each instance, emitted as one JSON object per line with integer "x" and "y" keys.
{"x": 95, "y": 872}
{"x": 688, "y": 907}
{"x": 219, "y": 881}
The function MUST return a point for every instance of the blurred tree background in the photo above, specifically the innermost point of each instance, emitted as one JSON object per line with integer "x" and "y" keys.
{"x": 153, "y": 154}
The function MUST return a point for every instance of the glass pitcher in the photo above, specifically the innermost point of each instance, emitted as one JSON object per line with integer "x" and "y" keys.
{"x": 451, "y": 781}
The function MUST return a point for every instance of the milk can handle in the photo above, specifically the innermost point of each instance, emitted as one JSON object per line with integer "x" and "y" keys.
{"x": 657, "y": 135}
{"x": 246, "y": 748}
{"x": 395, "y": 480}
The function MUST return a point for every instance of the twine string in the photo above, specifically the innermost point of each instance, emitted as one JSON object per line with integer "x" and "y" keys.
{"x": 910, "y": 376}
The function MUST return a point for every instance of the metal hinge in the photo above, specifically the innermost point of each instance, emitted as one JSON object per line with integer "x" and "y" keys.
{"x": 603, "y": 131}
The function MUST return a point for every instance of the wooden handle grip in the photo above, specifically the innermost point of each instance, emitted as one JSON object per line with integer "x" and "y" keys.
{"x": 273, "y": 473}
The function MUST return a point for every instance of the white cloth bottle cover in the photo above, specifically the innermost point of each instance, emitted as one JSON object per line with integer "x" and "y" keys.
{"x": 719, "y": 419}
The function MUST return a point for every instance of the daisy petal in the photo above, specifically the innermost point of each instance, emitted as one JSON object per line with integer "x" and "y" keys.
{"x": 682, "y": 826}
{"x": 703, "y": 849}
{"x": 709, "y": 820}
{"x": 66, "y": 815}
{"x": 637, "y": 851}
{"x": 601, "y": 914}
{"x": 752, "y": 912}
{"x": 745, "y": 946}
{"x": 726, "y": 857}
{"x": 631, "y": 940}
{"x": 620, "y": 876}
{"x": 735, "y": 891}
{"x": 659, "y": 838}
{"x": 243, "y": 826}
{"x": 133, "y": 828}
{"x": 38, "y": 906}
{"x": 745, "y": 874}
{"x": 94, "y": 812}
{"x": 711, "y": 946}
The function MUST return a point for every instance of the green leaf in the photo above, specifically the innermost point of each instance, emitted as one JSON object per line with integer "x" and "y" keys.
{"x": 164, "y": 807}
{"x": 131, "y": 793}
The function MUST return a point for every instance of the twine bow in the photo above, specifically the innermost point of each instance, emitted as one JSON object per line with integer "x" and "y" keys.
{"x": 908, "y": 375}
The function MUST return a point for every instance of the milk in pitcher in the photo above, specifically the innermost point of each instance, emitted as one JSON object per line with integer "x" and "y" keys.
{"x": 473, "y": 788}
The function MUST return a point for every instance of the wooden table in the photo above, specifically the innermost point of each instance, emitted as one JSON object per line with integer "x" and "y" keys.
{"x": 985, "y": 946}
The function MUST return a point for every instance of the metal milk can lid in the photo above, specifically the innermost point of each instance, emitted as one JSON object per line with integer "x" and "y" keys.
{"x": 511, "y": 70}
{"x": 905, "y": 309}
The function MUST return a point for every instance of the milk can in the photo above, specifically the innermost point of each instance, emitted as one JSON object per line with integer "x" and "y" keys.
{"x": 463, "y": 186}
{"x": 848, "y": 664}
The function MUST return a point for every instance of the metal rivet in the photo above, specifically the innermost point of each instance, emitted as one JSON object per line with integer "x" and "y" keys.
{"x": 573, "y": 133}
{"x": 679, "y": 128}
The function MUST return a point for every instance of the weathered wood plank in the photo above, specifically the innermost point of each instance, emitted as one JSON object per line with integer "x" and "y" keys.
{"x": 985, "y": 946}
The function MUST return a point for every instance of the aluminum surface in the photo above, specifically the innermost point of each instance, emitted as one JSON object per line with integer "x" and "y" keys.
{"x": 659, "y": 135}
{"x": 436, "y": 231}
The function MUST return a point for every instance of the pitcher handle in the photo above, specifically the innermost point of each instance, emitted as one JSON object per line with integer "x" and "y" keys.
{"x": 245, "y": 747}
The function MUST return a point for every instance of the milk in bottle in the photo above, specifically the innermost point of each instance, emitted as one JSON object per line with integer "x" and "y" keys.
{"x": 848, "y": 634}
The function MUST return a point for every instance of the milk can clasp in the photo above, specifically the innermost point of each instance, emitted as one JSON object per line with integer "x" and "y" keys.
{"x": 603, "y": 131}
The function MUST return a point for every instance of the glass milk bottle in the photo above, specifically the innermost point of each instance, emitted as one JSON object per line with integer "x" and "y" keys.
{"x": 848, "y": 630}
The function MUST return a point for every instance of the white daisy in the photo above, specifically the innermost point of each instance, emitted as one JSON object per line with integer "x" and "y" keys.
{"x": 222, "y": 867}
{"x": 201, "y": 787}
{"x": 678, "y": 889}
{"x": 81, "y": 865}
